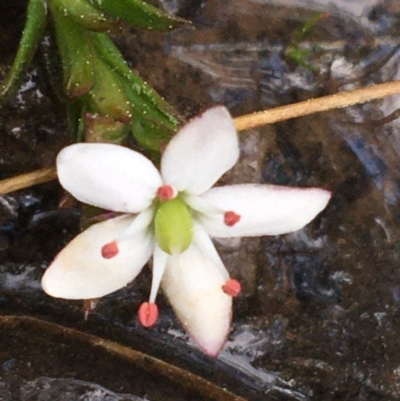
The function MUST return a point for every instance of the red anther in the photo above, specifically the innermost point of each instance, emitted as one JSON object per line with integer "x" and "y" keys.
{"x": 231, "y": 218}
{"x": 148, "y": 314}
{"x": 166, "y": 192}
{"x": 109, "y": 250}
{"x": 232, "y": 287}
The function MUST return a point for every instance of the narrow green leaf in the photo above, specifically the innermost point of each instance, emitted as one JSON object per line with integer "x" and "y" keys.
{"x": 107, "y": 96}
{"x": 34, "y": 27}
{"x": 140, "y": 14}
{"x": 139, "y": 91}
{"x": 82, "y": 13}
{"x": 151, "y": 135}
{"x": 75, "y": 125}
{"x": 76, "y": 55}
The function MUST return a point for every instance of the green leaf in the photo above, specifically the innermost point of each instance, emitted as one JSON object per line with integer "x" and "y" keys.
{"x": 104, "y": 129}
{"x": 82, "y": 13}
{"x": 74, "y": 120}
{"x": 140, "y": 14}
{"x": 107, "y": 96}
{"x": 139, "y": 93}
{"x": 153, "y": 136}
{"x": 76, "y": 55}
{"x": 293, "y": 51}
{"x": 300, "y": 33}
{"x": 35, "y": 23}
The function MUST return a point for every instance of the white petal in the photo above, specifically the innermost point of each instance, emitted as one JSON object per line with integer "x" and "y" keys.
{"x": 203, "y": 242}
{"x": 108, "y": 176}
{"x": 193, "y": 285}
{"x": 79, "y": 271}
{"x": 201, "y": 152}
{"x": 263, "y": 209}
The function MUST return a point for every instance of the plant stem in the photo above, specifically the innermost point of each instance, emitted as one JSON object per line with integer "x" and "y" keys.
{"x": 282, "y": 113}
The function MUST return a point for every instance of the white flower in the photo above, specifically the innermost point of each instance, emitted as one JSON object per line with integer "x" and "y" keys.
{"x": 171, "y": 216}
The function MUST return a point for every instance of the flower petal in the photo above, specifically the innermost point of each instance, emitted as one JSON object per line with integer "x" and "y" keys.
{"x": 203, "y": 242}
{"x": 108, "y": 176}
{"x": 201, "y": 152}
{"x": 193, "y": 285}
{"x": 82, "y": 270}
{"x": 261, "y": 209}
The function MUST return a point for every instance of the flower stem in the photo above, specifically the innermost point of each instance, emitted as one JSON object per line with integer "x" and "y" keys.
{"x": 282, "y": 113}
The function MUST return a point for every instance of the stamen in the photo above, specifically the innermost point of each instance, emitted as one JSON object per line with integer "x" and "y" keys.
{"x": 231, "y": 218}
{"x": 165, "y": 193}
{"x": 110, "y": 250}
{"x": 232, "y": 287}
{"x": 148, "y": 314}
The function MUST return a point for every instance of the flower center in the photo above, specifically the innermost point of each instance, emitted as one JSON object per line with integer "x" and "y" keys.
{"x": 173, "y": 226}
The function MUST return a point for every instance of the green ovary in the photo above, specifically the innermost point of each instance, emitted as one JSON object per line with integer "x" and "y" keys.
{"x": 173, "y": 226}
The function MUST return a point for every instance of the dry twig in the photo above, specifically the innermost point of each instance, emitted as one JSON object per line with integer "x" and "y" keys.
{"x": 282, "y": 113}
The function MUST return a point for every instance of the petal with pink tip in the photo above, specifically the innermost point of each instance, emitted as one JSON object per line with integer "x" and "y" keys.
{"x": 261, "y": 209}
{"x": 108, "y": 176}
{"x": 193, "y": 285}
{"x": 201, "y": 152}
{"x": 80, "y": 271}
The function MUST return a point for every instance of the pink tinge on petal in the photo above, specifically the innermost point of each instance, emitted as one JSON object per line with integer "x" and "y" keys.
{"x": 110, "y": 250}
{"x": 232, "y": 287}
{"x": 148, "y": 314}
{"x": 165, "y": 193}
{"x": 231, "y": 218}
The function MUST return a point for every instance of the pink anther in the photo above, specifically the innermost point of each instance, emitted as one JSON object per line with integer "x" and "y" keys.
{"x": 231, "y": 218}
{"x": 232, "y": 287}
{"x": 109, "y": 250}
{"x": 148, "y": 314}
{"x": 165, "y": 193}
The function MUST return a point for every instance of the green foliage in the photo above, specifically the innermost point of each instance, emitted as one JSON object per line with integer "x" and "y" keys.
{"x": 105, "y": 99}
{"x": 139, "y": 13}
{"x": 82, "y": 13}
{"x": 293, "y": 51}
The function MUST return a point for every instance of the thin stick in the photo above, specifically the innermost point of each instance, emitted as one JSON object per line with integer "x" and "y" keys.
{"x": 282, "y": 113}
{"x": 147, "y": 362}
{"x": 27, "y": 180}
{"x": 336, "y": 101}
